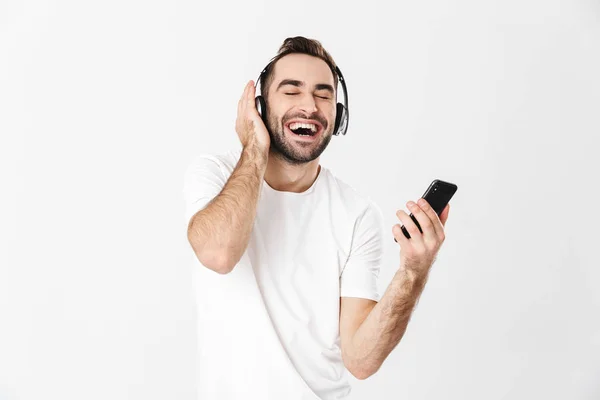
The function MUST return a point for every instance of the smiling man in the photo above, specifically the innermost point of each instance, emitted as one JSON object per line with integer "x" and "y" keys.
{"x": 300, "y": 125}
{"x": 286, "y": 255}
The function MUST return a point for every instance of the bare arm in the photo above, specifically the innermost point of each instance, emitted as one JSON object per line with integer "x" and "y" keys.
{"x": 384, "y": 325}
{"x": 220, "y": 232}
{"x": 386, "y": 322}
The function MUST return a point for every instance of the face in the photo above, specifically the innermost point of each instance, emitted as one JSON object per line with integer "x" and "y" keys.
{"x": 301, "y": 108}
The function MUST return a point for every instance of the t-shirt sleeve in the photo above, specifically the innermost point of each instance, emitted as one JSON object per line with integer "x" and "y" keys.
{"x": 203, "y": 180}
{"x": 360, "y": 275}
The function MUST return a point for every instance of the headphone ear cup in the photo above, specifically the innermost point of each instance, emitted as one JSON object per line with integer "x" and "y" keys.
{"x": 341, "y": 120}
{"x": 261, "y": 107}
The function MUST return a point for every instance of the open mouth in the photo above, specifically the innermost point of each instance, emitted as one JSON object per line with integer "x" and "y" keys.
{"x": 304, "y": 129}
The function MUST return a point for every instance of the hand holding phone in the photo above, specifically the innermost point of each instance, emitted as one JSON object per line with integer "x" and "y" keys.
{"x": 438, "y": 195}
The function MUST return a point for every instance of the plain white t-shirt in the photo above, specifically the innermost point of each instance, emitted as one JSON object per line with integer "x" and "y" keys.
{"x": 270, "y": 328}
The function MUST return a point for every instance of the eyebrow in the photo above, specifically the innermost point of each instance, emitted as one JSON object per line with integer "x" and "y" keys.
{"x": 294, "y": 82}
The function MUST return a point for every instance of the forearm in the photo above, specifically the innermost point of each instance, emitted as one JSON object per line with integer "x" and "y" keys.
{"x": 219, "y": 233}
{"x": 385, "y": 325}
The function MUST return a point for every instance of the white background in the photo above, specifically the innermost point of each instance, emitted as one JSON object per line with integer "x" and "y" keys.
{"x": 104, "y": 104}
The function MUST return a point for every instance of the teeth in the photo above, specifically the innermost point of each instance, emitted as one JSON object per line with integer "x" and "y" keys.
{"x": 297, "y": 125}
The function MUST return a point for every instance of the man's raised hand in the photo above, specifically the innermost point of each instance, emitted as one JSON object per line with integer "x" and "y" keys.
{"x": 249, "y": 126}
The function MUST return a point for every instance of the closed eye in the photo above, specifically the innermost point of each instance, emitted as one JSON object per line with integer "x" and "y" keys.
{"x": 295, "y": 94}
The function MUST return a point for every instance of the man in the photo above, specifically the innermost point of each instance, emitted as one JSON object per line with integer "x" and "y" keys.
{"x": 289, "y": 254}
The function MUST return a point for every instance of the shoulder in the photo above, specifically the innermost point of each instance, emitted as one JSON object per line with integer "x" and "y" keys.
{"x": 356, "y": 203}
{"x": 222, "y": 163}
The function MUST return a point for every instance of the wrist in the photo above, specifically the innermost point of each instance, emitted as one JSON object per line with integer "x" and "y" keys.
{"x": 413, "y": 279}
{"x": 256, "y": 152}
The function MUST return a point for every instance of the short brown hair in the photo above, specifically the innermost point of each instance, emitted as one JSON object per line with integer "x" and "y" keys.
{"x": 302, "y": 45}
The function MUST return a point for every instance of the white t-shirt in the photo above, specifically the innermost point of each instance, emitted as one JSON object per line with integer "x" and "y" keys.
{"x": 270, "y": 328}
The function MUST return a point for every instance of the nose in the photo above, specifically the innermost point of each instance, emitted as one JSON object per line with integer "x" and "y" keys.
{"x": 308, "y": 104}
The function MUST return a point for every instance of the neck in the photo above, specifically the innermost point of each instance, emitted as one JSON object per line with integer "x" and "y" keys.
{"x": 285, "y": 177}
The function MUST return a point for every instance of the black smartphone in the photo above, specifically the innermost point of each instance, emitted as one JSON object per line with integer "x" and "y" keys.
{"x": 438, "y": 194}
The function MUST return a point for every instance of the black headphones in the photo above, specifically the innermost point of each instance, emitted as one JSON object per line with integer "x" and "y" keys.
{"x": 341, "y": 116}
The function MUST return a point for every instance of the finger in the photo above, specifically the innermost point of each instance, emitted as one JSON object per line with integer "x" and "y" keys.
{"x": 399, "y": 235}
{"x": 241, "y": 102}
{"x": 239, "y": 108}
{"x": 433, "y": 217}
{"x": 410, "y": 226}
{"x": 246, "y": 89}
{"x": 251, "y": 92}
{"x": 423, "y": 218}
